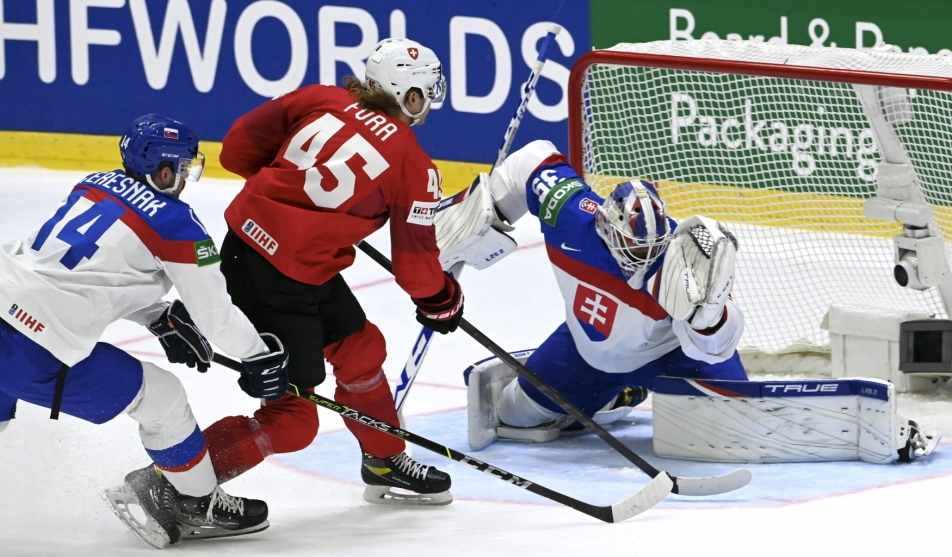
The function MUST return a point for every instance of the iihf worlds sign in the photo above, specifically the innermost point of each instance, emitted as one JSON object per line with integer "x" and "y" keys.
{"x": 91, "y": 66}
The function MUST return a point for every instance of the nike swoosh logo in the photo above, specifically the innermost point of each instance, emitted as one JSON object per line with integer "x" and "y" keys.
{"x": 568, "y": 248}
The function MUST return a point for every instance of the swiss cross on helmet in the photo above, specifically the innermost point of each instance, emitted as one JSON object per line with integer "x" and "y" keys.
{"x": 398, "y": 65}
{"x": 152, "y": 139}
{"x": 633, "y": 224}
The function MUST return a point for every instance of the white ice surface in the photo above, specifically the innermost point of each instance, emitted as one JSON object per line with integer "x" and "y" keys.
{"x": 51, "y": 473}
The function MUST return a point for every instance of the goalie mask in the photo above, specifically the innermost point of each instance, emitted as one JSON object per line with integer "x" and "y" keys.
{"x": 633, "y": 224}
{"x": 398, "y": 65}
{"x": 152, "y": 139}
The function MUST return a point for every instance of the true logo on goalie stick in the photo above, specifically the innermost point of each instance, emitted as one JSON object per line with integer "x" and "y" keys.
{"x": 595, "y": 312}
{"x": 260, "y": 237}
{"x": 28, "y": 320}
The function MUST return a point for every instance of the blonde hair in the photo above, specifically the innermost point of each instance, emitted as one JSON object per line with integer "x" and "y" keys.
{"x": 372, "y": 99}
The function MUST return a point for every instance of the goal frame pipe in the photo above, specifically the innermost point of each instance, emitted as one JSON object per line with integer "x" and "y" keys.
{"x": 759, "y": 69}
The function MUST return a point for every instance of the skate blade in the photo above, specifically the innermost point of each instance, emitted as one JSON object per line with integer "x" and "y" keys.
{"x": 211, "y": 532}
{"x": 527, "y": 434}
{"x": 119, "y": 498}
{"x": 933, "y": 438}
{"x": 384, "y": 495}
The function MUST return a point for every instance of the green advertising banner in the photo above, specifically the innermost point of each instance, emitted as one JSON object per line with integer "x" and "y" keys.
{"x": 920, "y": 26}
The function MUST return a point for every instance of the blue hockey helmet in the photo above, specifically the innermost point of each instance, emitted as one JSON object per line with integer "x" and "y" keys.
{"x": 153, "y": 139}
{"x": 633, "y": 224}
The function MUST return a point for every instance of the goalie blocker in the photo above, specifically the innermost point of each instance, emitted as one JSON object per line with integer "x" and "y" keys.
{"x": 468, "y": 230}
{"x": 783, "y": 421}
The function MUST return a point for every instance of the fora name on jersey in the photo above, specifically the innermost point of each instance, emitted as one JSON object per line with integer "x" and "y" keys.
{"x": 378, "y": 124}
{"x": 136, "y": 193}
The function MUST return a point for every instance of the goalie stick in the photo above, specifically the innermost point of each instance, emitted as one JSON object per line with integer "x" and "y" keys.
{"x": 682, "y": 486}
{"x": 422, "y": 343}
{"x": 649, "y": 496}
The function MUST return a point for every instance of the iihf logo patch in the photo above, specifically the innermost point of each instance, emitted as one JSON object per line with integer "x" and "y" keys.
{"x": 171, "y": 133}
{"x": 413, "y": 52}
{"x": 595, "y": 312}
{"x": 260, "y": 237}
{"x": 32, "y": 323}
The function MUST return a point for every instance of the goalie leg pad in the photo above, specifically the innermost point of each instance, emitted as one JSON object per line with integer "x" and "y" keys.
{"x": 778, "y": 421}
{"x": 486, "y": 382}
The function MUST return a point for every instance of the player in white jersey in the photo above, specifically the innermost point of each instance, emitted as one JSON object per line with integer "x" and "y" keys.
{"x": 627, "y": 321}
{"x": 115, "y": 246}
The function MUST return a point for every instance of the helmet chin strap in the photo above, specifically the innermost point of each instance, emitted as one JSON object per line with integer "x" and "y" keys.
{"x": 178, "y": 180}
{"x": 415, "y": 117}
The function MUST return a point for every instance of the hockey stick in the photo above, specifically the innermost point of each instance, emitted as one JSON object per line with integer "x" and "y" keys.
{"x": 649, "y": 496}
{"x": 682, "y": 486}
{"x": 422, "y": 344}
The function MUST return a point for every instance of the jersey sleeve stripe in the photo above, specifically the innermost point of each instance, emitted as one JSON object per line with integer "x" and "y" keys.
{"x": 173, "y": 251}
{"x": 637, "y": 299}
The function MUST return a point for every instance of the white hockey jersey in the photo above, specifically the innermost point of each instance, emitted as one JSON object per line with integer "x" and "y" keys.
{"x": 617, "y": 328}
{"x": 111, "y": 251}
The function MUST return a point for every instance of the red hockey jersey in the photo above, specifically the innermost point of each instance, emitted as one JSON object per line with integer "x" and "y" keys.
{"x": 321, "y": 175}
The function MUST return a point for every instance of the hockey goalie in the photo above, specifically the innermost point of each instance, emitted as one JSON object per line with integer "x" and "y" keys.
{"x": 648, "y": 307}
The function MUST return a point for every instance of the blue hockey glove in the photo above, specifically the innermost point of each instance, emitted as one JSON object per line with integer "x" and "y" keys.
{"x": 266, "y": 375}
{"x": 181, "y": 339}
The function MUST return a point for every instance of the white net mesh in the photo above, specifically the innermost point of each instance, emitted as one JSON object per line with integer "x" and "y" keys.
{"x": 785, "y": 163}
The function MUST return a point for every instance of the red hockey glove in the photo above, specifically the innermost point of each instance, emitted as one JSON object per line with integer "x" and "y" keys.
{"x": 443, "y": 311}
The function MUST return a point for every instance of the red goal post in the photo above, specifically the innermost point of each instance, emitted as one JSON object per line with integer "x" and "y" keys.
{"x": 763, "y": 137}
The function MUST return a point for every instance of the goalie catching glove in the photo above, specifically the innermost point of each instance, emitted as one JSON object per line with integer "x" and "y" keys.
{"x": 266, "y": 375}
{"x": 181, "y": 339}
{"x": 443, "y": 311}
{"x": 698, "y": 272}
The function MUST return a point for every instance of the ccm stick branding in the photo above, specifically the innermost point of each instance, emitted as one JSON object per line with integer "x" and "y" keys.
{"x": 740, "y": 128}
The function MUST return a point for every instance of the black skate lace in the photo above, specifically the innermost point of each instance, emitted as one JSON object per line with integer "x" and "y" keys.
{"x": 410, "y": 467}
{"x": 227, "y": 502}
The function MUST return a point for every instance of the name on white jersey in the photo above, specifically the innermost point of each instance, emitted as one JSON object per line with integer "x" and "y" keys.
{"x": 260, "y": 237}
{"x": 136, "y": 193}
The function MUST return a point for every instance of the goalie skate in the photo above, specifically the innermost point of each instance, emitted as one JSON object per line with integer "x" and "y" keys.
{"x": 401, "y": 481}
{"x": 919, "y": 444}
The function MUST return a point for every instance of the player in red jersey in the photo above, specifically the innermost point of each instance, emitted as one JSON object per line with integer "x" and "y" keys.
{"x": 325, "y": 167}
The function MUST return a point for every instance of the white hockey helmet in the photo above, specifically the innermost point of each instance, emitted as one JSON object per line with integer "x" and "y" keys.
{"x": 398, "y": 65}
{"x": 633, "y": 224}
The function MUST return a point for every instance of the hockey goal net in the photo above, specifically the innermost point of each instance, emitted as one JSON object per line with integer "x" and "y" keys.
{"x": 773, "y": 141}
